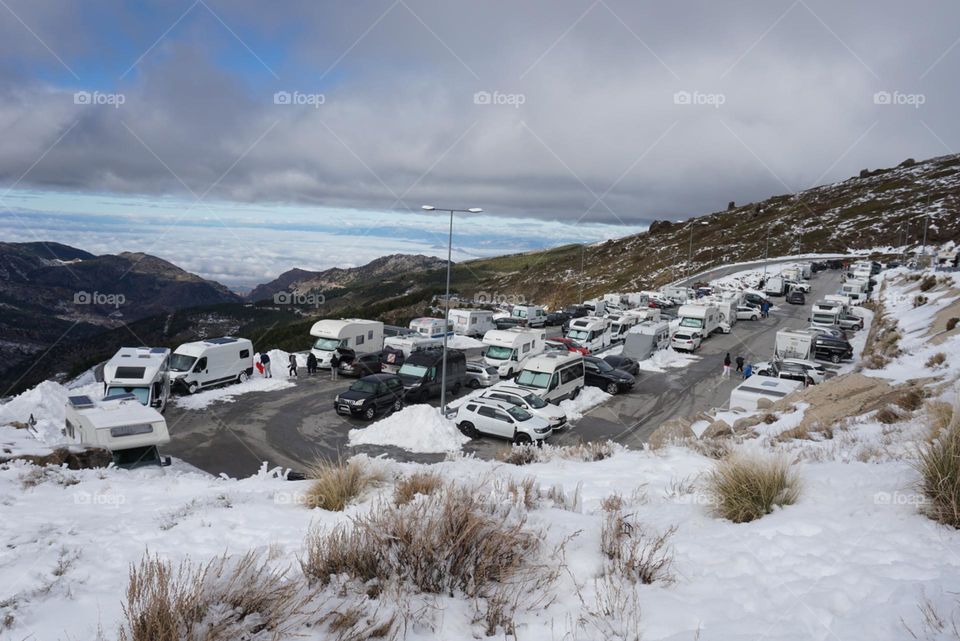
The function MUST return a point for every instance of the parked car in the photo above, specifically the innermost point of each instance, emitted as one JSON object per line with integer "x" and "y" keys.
{"x": 832, "y": 349}
{"x": 600, "y": 373}
{"x": 685, "y": 341}
{"x": 748, "y": 312}
{"x": 796, "y": 297}
{"x": 623, "y": 363}
{"x": 576, "y": 311}
{"x": 371, "y": 395}
{"x": 784, "y": 370}
{"x": 360, "y": 364}
{"x": 558, "y": 318}
{"x": 507, "y": 322}
{"x": 835, "y": 264}
{"x": 815, "y": 371}
{"x": 481, "y": 375}
{"x": 828, "y": 331}
{"x": 567, "y": 343}
{"x": 850, "y": 321}
{"x": 499, "y": 418}
{"x": 799, "y": 286}
{"x": 533, "y": 403}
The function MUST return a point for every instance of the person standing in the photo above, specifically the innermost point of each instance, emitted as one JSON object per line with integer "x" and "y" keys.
{"x": 265, "y": 361}
{"x": 293, "y": 366}
{"x": 740, "y": 365}
{"x": 726, "y": 365}
{"x": 334, "y": 364}
{"x": 747, "y": 371}
{"x": 311, "y": 363}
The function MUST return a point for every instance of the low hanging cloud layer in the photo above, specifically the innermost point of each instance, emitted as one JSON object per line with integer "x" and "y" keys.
{"x": 575, "y": 111}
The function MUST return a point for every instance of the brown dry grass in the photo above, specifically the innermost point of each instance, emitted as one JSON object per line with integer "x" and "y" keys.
{"x": 418, "y": 483}
{"x": 887, "y": 416}
{"x": 335, "y": 485}
{"x": 936, "y": 360}
{"x": 939, "y": 465}
{"x": 746, "y": 488}
{"x": 910, "y": 400}
{"x": 633, "y": 554}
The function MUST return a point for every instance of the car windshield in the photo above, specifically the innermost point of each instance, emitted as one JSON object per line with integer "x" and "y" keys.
{"x": 326, "y": 344}
{"x": 681, "y": 337}
{"x": 182, "y": 362}
{"x": 491, "y": 370}
{"x": 578, "y": 334}
{"x": 365, "y": 386}
{"x": 533, "y": 379}
{"x": 142, "y": 393}
{"x": 686, "y": 321}
{"x": 519, "y": 413}
{"x": 499, "y": 353}
{"x": 535, "y": 401}
{"x": 604, "y": 366}
{"x": 414, "y": 371}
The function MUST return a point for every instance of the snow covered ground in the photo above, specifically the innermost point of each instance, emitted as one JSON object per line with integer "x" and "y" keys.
{"x": 415, "y": 428}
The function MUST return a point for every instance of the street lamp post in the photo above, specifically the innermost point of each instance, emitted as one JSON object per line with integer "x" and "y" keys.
{"x": 766, "y": 255}
{"x": 446, "y": 315}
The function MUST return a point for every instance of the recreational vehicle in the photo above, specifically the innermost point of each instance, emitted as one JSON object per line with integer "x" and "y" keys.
{"x": 748, "y": 394}
{"x": 678, "y": 295}
{"x": 704, "y": 319}
{"x": 646, "y": 338}
{"x": 362, "y": 336}
{"x": 825, "y": 314}
{"x": 397, "y": 348}
{"x": 471, "y": 322}
{"x": 208, "y": 363}
{"x": 530, "y": 315}
{"x": 509, "y": 349}
{"x": 794, "y": 343}
{"x": 429, "y": 327}
{"x": 122, "y": 424}
{"x": 141, "y": 371}
{"x": 620, "y": 324}
{"x": 554, "y": 376}
{"x": 591, "y": 332}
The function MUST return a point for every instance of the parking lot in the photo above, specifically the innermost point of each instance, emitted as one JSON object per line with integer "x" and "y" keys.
{"x": 295, "y": 427}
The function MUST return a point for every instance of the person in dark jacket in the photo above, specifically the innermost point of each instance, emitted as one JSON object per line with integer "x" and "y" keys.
{"x": 334, "y": 364}
{"x": 293, "y": 366}
{"x": 748, "y": 371}
{"x": 311, "y": 363}
{"x": 740, "y": 365}
{"x": 265, "y": 361}
{"x": 726, "y": 365}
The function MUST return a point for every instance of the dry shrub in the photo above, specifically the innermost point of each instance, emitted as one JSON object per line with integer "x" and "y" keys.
{"x": 522, "y": 455}
{"x": 454, "y": 539}
{"x": 939, "y": 414}
{"x": 746, "y": 488}
{"x": 769, "y": 419}
{"x": 715, "y": 448}
{"x": 910, "y": 400}
{"x": 228, "y": 598}
{"x": 929, "y": 282}
{"x": 887, "y": 416}
{"x": 939, "y": 465}
{"x": 612, "y": 503}
{"x": 587, "y": 452}
{"x": 952, "y": 323}
{"x": 424, "y": 483}
{"x": 569, "y": 501}
{"x": 633, "y": 554}
{"x": 936, "y": 360}
{"x": 523, "y": 493}
{"x": 919, "y": 300}
{"x": 336, "y": 484}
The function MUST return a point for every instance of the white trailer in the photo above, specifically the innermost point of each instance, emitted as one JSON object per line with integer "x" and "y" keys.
{"x": 121, "y": 424}
{"x": 430, "y": 327}
{"x": 636, "y": 300}
{"x": 705, "y": 319}
{"x": 747, "y": 395}
{"x": 361, "y": 336}
{"x": 471, "y": 322}
{"x": 646, "y": 338}
{"x": 677, "y": 294}
{"x": 825, "y": 314}
{"x": 509, "y": 349}
{"x": 141, "y": 371}
{"x": 592, "y": 332}
{"x": 597, "y": 306}
{"x": 620, "y": 324}
{"x": 792, "y": 273}
{"x": 794, "y": 343}
{"x": 208, "y": 363}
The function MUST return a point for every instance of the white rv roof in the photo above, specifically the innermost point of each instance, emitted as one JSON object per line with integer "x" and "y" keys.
{"x": 197, "y": 348}
{"x": 113, "y": 413}
{"x": 550, "y": 361}
{"x": 649, "y": 327}
{"x": 768, "y": 386}
{"x": 509, "y": 337}
{"x": 331, "y": 327}
{"x": 137, "y": 364}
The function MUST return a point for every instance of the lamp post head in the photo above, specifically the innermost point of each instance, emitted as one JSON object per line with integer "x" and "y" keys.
{"x": 474, "y": 210}
{"x": 427, "y": 207}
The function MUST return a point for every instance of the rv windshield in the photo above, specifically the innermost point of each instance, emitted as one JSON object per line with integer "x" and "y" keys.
{"x": 141, "y": 392}
{"x": 579, "y": 334}
{"x": 326, "y": 344}
{"x": 182, "y": 362}
{"x": 695, "y": 323}
{"x": 499, "y": 353}
{"x": 413, "y": 371}
{"x": 530, "y": 378}
{"x": 519, "y": 413}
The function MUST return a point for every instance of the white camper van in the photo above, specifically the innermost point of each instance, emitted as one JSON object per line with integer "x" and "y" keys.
{"x": 678, "y": 295}
{"x": 591, "y": 332}
{"x": 429, "y": 327}
{"x": 471, "y": 322}
{"x": 636, "y": 300}
{"x": 825, "y": 314}
{"x": 361, "y": 336}
{"x": 704, "y": 319}
{"x": 554, "y": 376}
{"x": 646, "y": 338}
{"x": 215, "y": 361}
{"x": 141, "y": 371}
{"x": 530, "y": 315}
{"x": 747, "y": 394}
{"x": 793, "y": 343}
{"x": 596, "y": 306}
{"x": 509, "y": 349}
{"x": 620, "y": 324}
{"x": 121, "y": 424}
{"x": 856, "y": 290}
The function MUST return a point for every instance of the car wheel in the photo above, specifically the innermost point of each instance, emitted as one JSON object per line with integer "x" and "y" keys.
{"x": 369, "y": 413}
{"x": 456, "y": 388}
{"x": 754, "y": 317}
{"x": 474, "y": 384}
{"x": 522, "y": 439}
{"x": 467, "y": 428}
{"x": 575, "y": 393}
{"x": 192, "y": 388}
{"x": 611, "y": 388}
{"x": 397, "y": 405}
{"x": 835, "y": 358}
{"x": 242, "y": 377}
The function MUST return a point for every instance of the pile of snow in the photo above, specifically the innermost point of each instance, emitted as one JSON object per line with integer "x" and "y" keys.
{"x": 463, "y": 342}
{"x": 587, "y": 399}
{"x": 279, "y": 363}
{"x": 415, "y": 428}
{"x": 46, "y": 405}
{"x": 664, "y": 359}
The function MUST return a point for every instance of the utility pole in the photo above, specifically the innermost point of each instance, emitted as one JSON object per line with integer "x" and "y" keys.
{"x": 926, "y": 223}
{"x": 690, "y": 253}
{"x": 766, "y": 254}
{"x": 583, "y": 249}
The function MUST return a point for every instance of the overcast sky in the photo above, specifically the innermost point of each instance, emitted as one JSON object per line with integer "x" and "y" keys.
{"x": 573, "y": 111}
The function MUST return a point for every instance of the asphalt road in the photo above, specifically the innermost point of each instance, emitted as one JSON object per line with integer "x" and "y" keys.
{"x": 297, "y": 426}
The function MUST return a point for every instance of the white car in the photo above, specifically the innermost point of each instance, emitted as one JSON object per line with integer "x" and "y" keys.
{"x": 499, "y": 418}
{"x": 529, "y": 401}
{"x": 814, "y": 370}
{"x": 800, "y": 287}
{"x": 682, "y": 341}
{"x": 747, "y": 312}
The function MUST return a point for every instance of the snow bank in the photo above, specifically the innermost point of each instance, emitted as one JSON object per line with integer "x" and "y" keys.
{"x": 463, "y": 342}
{"x": 665, "y": 359}
{"x": 279, "y": 361}
{"x": 587, "y": 399}
{"x": 415, "y": 428}
{"x": 46, "y": 403}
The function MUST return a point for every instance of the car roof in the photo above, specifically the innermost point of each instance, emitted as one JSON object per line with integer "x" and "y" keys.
{"x": 491, "y": 402}
{"x": 378, "y": 377}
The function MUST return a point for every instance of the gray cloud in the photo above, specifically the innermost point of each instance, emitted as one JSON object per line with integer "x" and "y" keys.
{"x": 598, "y": 137}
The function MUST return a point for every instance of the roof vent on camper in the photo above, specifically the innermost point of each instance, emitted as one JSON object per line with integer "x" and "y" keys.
{"x": 158, "y": 350}
{"x": 81, "y": 402}
{"x": 223, "y": 340}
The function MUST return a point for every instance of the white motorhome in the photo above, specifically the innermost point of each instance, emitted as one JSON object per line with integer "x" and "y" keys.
{"x": 792, "y": 273}
{"x": 597, "y": 306}
{"x": 825, "y": 314}
{"x": 844, "y": 301}
{"x": 856, "y": 289}
{"x": 361, "y": 336}
{"x": 775, "y": 286}
{"x": 591, "y": 332}
{"x": 208, "y": 363}
{"x": 121, "y": 424}
{"x": 677, "y": 294}
{"x": 704, "y": 319}
{"x": 553, "y": 376}
{"x": 412, "y": 343}
{"x": 620, "y": 324}
{"x": 726, "y": 310}
{"x": 471, "y": 322}
{"x": 509, "y": 349}
{"x": 429, "y": 327}
{"x": 530, "y": 315}
{"x": 793, "y": 343}
{"x": 141, "y": 371}
{"x": 747, "y": 395}
{"x": 636, "y": 300}
{"x": 614, "y": 302}
{"x": 806, "y": 270}
{"x": 646, "y": 338}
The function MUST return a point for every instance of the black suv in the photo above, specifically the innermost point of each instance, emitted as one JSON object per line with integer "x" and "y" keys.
{"x": 507, "y": 322}
{"x": 600, "y": 373}
{"x": 796, "y": 297}
{"x": 371, "y": 395}
{"x": 832, "y": 349}
{"x": 558, "y": 318}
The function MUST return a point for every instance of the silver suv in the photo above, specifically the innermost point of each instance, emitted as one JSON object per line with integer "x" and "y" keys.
{"x": 499, "y": 418}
